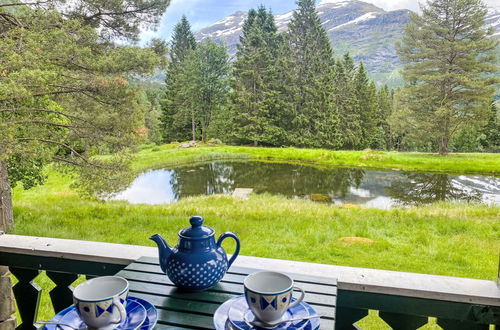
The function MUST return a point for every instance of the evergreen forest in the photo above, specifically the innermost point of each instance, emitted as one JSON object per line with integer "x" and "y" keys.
{"x": 290, "y": 89}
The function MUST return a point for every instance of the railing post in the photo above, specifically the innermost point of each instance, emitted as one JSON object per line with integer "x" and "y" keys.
{"x": 7, "y": 320}
{"x": 27, "y": 294}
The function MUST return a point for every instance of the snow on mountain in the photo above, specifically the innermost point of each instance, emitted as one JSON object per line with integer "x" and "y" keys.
{"x": 361, "y": 18}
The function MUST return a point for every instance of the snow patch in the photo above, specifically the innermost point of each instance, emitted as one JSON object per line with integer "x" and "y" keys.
{"x": 284, "y": 17}
{"x": 361, "y": 18}
{"x": 338, "y": 3}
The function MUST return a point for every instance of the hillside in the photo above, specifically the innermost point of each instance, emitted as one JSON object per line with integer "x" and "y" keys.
{"x": 366, "y": 31}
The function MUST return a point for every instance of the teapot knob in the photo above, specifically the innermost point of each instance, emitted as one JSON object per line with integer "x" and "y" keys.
{"x": 196, "y": 221}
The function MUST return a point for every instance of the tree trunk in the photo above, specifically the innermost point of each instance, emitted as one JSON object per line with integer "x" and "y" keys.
{"x": 6, "y": 215}
{"x": 7, "y": 320}
{"x": 255, "y": 143}
{"x": 443, "y": 146}
{"x": 193, "y": 128}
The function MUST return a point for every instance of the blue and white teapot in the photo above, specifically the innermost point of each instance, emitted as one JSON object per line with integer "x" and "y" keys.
{"x": 197, "y": 262}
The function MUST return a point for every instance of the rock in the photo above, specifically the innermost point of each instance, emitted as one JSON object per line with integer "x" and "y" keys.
{"x": 321, "y": 198}
{"x": 189, "y": 144}
{"x": 348, "y": 206}
{"x": 242, "y": 193}
{"x": 355, "y": 239}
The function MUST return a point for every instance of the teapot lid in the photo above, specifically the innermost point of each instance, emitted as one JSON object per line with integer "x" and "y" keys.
{"x": 197, "y": 230}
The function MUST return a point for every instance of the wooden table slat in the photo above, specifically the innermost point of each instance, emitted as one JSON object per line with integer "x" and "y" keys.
{"x": 224, "y": 287}
{"x": 244, "y": 270}
{"x": 327, "y": 289}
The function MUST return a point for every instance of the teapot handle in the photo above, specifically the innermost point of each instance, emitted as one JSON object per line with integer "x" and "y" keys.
{"x": 237, "y": 251}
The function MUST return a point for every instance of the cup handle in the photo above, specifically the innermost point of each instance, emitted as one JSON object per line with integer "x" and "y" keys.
{"x": 236, "y": 252}
{"x": 296, "y": 302}
{"x": 121, "y": 310}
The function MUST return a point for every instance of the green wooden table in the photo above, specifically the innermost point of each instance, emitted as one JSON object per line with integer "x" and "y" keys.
{"x": 194, "y": 310}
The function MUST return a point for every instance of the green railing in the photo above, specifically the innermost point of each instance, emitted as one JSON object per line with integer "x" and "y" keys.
{"x": 403, "y": 300}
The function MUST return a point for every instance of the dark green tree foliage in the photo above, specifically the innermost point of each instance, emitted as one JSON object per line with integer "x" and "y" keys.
{"x": 385, "y": 104}
{"x": 65, "y": 94}
{"x": 205, "y": 83}
{"x": 346, "y": 103}
{"x": 256, "y": 109}
{"x": 448, "y": 52}
{"x": 491, "y": 131}
{"x": 315, "y": 121}
{"x": 177, "y": 119}
{"x": 366, "y": 96}
{"x": 115, "y": 19}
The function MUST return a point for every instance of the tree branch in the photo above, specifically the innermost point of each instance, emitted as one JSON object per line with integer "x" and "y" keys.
{"x": 69, "y": 91}
{"x": 47, "y": 111}
{"x": 66, "y": 146}
{"x": 23, "y": 3}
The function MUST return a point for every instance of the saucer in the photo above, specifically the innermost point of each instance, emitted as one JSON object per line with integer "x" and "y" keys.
{"x": 231, "y": 315}
{"x": 152, "y": 313}
{"x": 136, "y": 316}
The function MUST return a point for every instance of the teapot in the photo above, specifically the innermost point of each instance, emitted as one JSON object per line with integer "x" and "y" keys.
{"x": 197, "y": 262}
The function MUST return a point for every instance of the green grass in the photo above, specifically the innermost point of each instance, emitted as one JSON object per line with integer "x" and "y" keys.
{"x": 477, "y": 163}
{"x": 447, "y": 239}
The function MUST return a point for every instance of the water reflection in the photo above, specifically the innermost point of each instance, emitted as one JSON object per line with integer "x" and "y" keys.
{"x": 380, "y": 189}
{"x": 424, "y": 188}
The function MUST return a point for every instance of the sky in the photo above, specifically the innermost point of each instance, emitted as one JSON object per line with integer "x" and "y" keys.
{"x": 202, "y": 13}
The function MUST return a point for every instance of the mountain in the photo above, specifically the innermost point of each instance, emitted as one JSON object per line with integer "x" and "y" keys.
{"x": 364, "y": 30}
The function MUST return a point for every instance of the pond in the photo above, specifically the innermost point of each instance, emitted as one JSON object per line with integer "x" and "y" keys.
{"x": 335, "y": 185}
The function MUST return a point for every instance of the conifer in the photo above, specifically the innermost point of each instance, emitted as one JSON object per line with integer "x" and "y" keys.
{"x": 255, "y": 99}
{"x": 177, "y": 119}
{"x": 449, "y": 52}
{"x": 315, "y": 120}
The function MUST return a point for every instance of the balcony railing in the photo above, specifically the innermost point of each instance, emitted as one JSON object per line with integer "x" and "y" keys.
{"x": 403, "y": 300}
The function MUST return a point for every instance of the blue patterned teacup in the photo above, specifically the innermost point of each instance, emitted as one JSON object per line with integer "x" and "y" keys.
{"x": 269, "y": 295}
{"x": 101, "y": 301}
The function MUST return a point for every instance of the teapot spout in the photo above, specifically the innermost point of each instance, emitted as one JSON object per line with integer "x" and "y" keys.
{"x": 164, "y": 250}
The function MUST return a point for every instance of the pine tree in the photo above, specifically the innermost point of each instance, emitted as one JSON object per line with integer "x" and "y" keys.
{"x": 492, "y": 129}
{"x": 365, "y": 92}
{"x": 254, "y": 112}
{"x": 346, "y": 103}
{"x": 384, "y": 97}
{"x": 177, "y": 119}
{"x": 315, "y": 121}
{"x": 448, "y": 52}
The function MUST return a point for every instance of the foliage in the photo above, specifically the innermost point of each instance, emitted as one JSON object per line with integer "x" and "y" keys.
{"x": 492, "y": 129}
{"x": 205, "y": 83}
{"x": 258, "y": 107}
{"x": 314, "y": 117}
{"x": 64, "y": 94}
{"x": 448, "y": 50}
{"x": 346, "y": 103}
{"x": 176, "y": 118}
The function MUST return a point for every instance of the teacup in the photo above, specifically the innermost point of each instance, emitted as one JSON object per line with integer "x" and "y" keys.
{"x": 101, "y": 301}
{"x": 269, "y": 295}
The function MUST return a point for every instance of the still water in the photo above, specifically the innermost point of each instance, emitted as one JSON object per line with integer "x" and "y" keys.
{"x": 335, "y": 185}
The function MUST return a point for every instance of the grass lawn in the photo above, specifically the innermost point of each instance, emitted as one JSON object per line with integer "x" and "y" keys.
{"x": 444, "y": 238}
{"x": 477, "y": 163}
